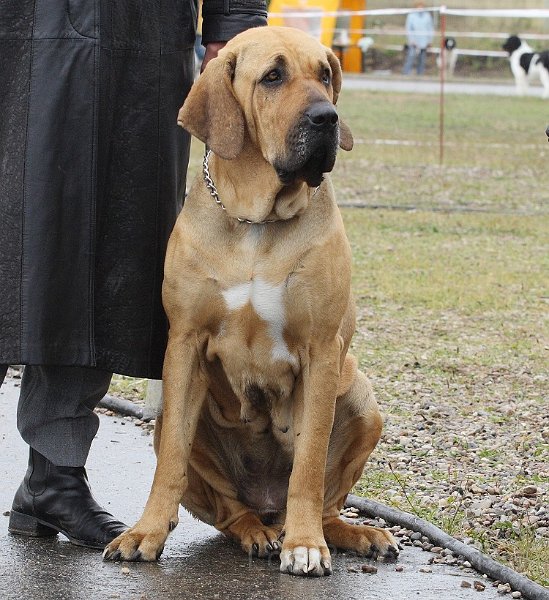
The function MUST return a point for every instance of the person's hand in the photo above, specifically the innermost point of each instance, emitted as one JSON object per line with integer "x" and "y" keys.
{"x": 211, "y": 52}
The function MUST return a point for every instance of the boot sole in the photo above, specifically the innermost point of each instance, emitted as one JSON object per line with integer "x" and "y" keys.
{"x": 22, "y": 524}
{"x": 27, "y": 525}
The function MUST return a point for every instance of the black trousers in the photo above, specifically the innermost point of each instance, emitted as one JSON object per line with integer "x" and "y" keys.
{"x": 55, "y": 411}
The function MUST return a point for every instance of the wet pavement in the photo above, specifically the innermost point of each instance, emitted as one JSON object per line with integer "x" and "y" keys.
{"x": 198, "y": 562}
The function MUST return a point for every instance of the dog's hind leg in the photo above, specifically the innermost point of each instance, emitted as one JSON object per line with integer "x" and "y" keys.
{"x": 356, "y": 431}
{"x": 255, "y": 537}
{"x": 233, "y": 519}
{"x": 215, "y": 503}
{"x": 212, "y": 495}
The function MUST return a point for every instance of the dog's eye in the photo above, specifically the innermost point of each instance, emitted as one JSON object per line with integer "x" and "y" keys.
{"x": 274, "y": 76}
{"x": 326, "y": 77}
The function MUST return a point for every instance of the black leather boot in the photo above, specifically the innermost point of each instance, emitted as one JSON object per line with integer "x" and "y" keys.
{"x": 55, "y": 500}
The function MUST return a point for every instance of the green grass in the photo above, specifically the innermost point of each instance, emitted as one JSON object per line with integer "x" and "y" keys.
{"x": 482, "y": 137}
{"x": 465, "y": 262}
{"x": 469, "y": 120}
{"x": 129, "y": 388}
{"x": 454, "y": 298}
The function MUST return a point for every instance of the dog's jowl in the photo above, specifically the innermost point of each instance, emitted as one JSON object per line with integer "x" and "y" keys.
{"x": 267, "y": 423}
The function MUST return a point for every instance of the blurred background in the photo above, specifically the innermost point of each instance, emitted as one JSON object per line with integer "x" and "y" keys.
{"x": 371, "y": 43}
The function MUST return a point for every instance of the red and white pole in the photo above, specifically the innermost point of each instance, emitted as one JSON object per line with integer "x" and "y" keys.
{"x": 442, "y": 75}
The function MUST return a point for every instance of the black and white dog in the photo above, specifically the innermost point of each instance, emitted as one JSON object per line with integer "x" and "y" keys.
{"x": 527, "y": 64}
{"x": 450, "y": 56}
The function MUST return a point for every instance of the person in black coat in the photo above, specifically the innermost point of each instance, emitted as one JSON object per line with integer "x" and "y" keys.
{"x": 92, "y": 177}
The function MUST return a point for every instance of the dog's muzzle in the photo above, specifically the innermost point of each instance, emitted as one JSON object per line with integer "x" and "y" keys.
{"x": 312, "y": 146}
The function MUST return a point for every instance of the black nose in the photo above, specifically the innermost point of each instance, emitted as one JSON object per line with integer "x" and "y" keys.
{"x": 322, "y": 115}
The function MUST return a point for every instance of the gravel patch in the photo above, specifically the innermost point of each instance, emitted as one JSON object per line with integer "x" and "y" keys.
{"x": 466, "y": 438}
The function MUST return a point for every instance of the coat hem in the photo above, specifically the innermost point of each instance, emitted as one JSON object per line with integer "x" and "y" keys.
{"x": 107, "y": 361}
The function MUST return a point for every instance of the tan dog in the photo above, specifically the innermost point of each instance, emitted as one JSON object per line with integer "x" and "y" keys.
{"x": 267, "y": 423}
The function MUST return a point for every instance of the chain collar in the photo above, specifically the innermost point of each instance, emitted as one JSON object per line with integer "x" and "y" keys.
{"x": 214, "y": 194}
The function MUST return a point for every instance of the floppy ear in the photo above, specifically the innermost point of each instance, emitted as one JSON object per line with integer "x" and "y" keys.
{"x": 345, "y": 135}
{"x": 211, "y": 111}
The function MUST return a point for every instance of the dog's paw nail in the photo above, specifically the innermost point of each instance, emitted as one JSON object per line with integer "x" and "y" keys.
{"x": 136, "y": 556}
{"x": 314, "y": 561}
{"x": 286, "y": 561}
{"x": 114, "y": 556}
{"x": 255, "y": 548}
{"x": 159, "y": 552}
{"x": 172, "y": 525}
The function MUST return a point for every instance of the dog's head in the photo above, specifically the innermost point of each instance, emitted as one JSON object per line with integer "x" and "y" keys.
{"x": 275, "y": 88}
{"x": 449, "y": 43}
{"x": 513, "y": 43}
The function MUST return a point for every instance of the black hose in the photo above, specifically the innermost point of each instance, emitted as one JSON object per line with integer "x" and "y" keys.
{"x": 482, "y": 563}
{"x": 121, "y": 406}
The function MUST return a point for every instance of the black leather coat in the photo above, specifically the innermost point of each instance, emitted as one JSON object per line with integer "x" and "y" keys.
{"x": 92, "y": 172}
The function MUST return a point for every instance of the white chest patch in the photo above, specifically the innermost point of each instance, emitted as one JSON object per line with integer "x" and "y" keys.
{"x": 267, "y": 301}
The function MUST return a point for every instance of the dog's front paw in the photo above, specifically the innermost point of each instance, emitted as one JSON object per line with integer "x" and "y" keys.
{"x": 139, "y": 543}
{"x": 306, "y": 561}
